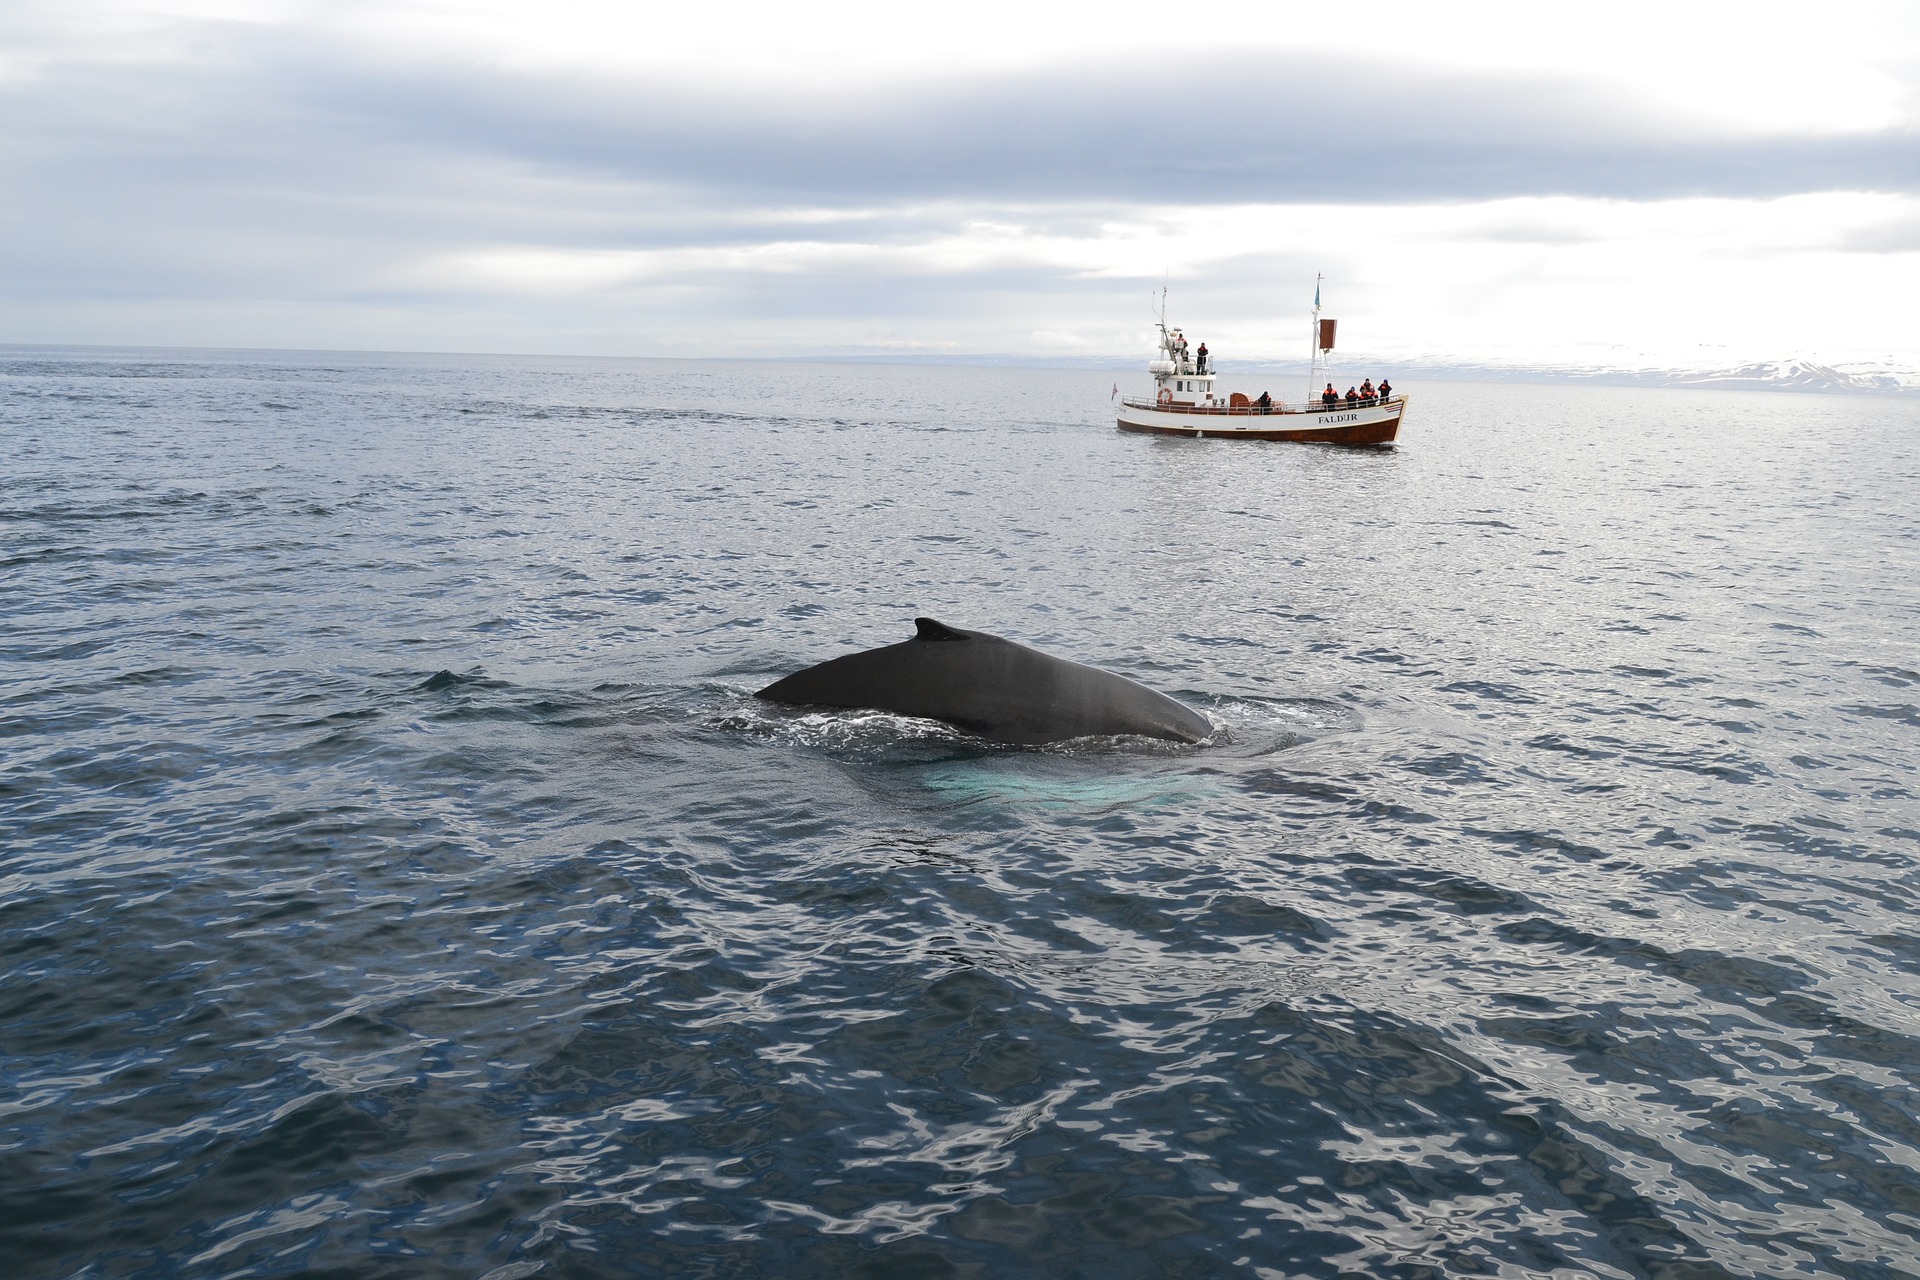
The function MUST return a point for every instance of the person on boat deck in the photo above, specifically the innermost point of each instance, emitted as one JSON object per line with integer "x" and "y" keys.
{"x": 1386, "y": 389}
{"x": 1329, "y": 397}
{"x": 1265, "y": 402}
{"x": 1353, "y": 397}
{"x": 1366, "y": 391}
{"x": 1202, "y": 353}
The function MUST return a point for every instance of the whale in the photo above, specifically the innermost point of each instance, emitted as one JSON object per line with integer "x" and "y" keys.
{"x": 992, "y": 687}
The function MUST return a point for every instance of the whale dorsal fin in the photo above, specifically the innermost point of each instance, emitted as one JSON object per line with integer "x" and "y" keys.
{"x": 928, "y": 629}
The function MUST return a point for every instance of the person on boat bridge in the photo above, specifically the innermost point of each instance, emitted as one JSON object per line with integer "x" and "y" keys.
{"x": 1265, "y": 402}
{"x": 1353, "y": 398}
{"x": 1366, "y": 391}
{"x": 1203, "y": 359}
{"x": 1329, "y": 397}
{"x": 1386, "y": 389}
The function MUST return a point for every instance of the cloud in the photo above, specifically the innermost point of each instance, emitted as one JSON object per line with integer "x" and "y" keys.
{"x": 274, "y": 106}
{"x": 274, "y": 185}
{"x": 1895, "y": 235}
{"x": 1230, "y": 133}
{"x": 1534, "y": 231}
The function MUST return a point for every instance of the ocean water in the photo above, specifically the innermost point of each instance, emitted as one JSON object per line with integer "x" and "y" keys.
{"x": 397, "y": 878}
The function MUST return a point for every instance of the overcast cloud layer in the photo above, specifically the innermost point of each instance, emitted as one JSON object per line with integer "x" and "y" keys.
{"x": 178, "y": 176}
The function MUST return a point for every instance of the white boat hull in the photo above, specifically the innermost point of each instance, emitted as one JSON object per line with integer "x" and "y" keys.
{"x": 1375, "y": 424}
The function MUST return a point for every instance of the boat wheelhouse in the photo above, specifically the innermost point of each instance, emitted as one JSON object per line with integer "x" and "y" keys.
{"x": 1186, "y": 400}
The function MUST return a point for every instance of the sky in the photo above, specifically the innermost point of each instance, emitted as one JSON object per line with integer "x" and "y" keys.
{"x": 1671, "y": 184}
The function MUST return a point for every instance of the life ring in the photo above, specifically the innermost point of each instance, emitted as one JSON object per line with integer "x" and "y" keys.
{"x": 1166, "y": 396}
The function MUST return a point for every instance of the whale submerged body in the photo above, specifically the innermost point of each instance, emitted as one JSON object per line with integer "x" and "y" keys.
{"x": 990, "y": 686}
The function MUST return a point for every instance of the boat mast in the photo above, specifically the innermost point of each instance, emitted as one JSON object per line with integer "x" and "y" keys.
{"x": 1315, "y": 355}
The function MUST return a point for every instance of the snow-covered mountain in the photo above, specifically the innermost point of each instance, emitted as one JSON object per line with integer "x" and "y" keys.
{"x": 1789, "y": 375}
{"x": 1796, "y": 374}
{"x": 1882, "y": 377}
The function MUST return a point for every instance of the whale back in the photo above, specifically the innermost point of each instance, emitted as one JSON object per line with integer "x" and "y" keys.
{"x": 990, "y": 686}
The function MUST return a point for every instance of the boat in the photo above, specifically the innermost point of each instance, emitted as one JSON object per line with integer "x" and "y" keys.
{"x": 1186, "y": 401}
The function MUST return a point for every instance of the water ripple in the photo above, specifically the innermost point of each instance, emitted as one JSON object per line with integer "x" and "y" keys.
{"x": 397, "y": 876}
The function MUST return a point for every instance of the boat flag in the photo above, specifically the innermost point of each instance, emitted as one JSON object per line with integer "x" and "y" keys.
{"x": 1114, "y": 392}
{"x": 1316, "y": 293}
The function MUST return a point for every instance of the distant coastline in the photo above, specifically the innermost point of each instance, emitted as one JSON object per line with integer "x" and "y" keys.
{"x": 1798, "y": 375}
{"x": 1775, "y": 375}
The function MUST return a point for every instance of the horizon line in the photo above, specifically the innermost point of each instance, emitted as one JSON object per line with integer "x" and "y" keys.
{"x": 1445, "y": 369}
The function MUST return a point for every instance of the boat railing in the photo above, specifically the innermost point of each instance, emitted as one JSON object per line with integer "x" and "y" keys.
{"x": 1255, "y": 410}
